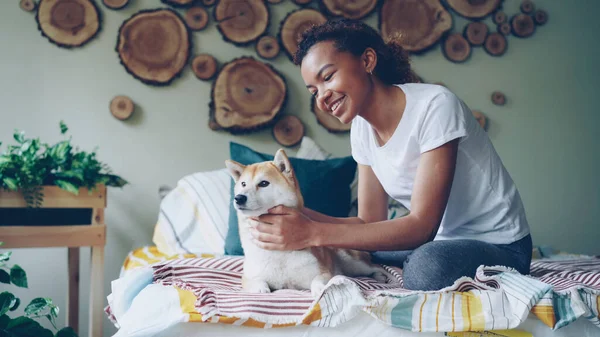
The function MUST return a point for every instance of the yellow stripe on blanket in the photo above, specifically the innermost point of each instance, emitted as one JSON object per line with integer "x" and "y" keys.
{"x": 145, "y": 256}
{"x": 313, "y": 316}
{"x": 472, "y": 312}
{"x": 545, "y": 313}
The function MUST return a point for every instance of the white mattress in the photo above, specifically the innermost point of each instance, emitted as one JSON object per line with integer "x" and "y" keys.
{"x": 362, "y": 325}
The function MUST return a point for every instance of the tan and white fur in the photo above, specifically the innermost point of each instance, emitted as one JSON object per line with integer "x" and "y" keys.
{"x": 262, "y": 186}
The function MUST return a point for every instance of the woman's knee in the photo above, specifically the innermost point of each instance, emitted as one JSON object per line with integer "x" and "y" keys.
{"x": 427, "y": 269}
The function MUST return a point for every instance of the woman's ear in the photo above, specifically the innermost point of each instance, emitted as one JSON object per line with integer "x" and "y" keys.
{"x": 369, "y": 59}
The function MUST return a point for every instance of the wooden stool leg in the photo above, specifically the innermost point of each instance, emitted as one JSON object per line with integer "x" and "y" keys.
{"x": 97, "y": 292}
{"x": 73, "y": 289}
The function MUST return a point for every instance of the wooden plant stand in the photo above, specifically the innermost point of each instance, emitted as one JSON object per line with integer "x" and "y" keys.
{"x": 91, "y": 235}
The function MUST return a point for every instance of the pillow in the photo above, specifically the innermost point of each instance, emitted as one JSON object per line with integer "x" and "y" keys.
{"x": 193, "y": 216}
{"x": 325, "y": 186}
{"x": 309, "y": 149}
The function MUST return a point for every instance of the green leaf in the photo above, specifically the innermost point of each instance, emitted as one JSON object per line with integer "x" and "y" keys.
{"x": 19, "y": 136}
{"x": 4, "y": 319}
{"x": 15, "y": 306}
{"x": 18, "y": 276}
{"x": 63, "y": 127}
{"x": 4, "y": 277}
{"x": 4, "y": 159}
{"x": 27, "y": 327}
{"x": 116, "y": 181}
{"x": 7, "y": 300}
{"x": 66, "y": 332}
{"x": 67, "y": 186}
{"x": 37, "y": 306}
{"x": 10, "y": 183}
{"x": 5, "y": 256}
{"x": 54, "y": 311}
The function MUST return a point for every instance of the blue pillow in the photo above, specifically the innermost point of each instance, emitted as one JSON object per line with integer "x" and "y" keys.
{"x": 325, "y": 186}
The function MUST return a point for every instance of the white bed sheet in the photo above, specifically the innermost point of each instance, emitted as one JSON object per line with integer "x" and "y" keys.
{"x": 362, "y": 325}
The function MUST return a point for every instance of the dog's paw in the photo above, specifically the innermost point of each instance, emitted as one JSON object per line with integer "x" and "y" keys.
{"x": 380, "y": 276}
{"x": 258, "y": 288}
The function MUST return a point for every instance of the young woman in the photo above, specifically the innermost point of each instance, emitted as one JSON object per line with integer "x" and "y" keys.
{"x": 417, "y": 143}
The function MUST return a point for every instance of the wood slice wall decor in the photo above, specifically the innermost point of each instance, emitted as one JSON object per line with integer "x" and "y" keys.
{"x": 154, "y": 45}
{"x": 540, "y": 17}
{"x": 474, "y": 9}
{"x": 115, "y": 4}
{"x": 495, "y": 44}
{"x": 498, "y": 98}
{"x": 204, "y": 66}
{"x": 327, "y": 120}
{"x": 241, "y": 21}
{"x": 499, "y": 17}
{"x": 415, "y": 24}
{"x": 196, "y": 18}
{"x": 356, "y": 9}
{"x": 302, "y": 2}
{"x": 68, "y": 23}
{"x": 288, "y": 131}
{"x": 27, "y": 5}
{"x": 208, "y": 3}
{"x": 122, "y": 107}
{"x": 476, "y": 32}
{"x": 522, "y": 25}
{"x": 178, "y": 3}
{"x": 246, "y": 96}
{"x": 456, "y": 48}
{"x": 504, "y": 28}
{"x": 294, "y": 24}
{"x": 527, "y": 6}
{"x": 267, "y": 47}
{"x": 274, "y": 2}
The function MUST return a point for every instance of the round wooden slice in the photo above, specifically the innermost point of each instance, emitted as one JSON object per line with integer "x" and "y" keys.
{"x": 540, "y": 17}
{"x": 288, "y": 131}
{"x": 415, "y": 24}
{"x": 356, "y": 9}
{"x": 115, "y": 4}
{"x": 504, "y": 28}
{"x": 246, "y": 96}
{"x": 481, "y": 119}
{"x": 294, "y": 24}
{"x": 522, "y": 25}
{"x": 267, "y": 47}
{"x": 274, "y": 2}
{"x": 122, "y": 107}
{"x": 495, "y": 44}
{"x": 474, "y": 9}
{"x": 527, "y": 6}
{"x": 302, "y": 2}
{"x": 204, "y": 66}
{"x": 208, "y": 3}
{"x": 178, "y": 3}
{"x": 196, "y": 18}
{"x": 27, "y": 5}
{"x": 328, "y": 121}
{"x": 499, "y": 17}
{"x": 154, "y": 45}
{"x": 241, "y": 21}
{"x": 68, "y": 23}
{"x": 456, "y": 48}
{"x": 498, "y": 98}
{"x": 476, "y": 32}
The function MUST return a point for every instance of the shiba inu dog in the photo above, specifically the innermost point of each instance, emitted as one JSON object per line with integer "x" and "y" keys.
{"x": 262, "y": 186}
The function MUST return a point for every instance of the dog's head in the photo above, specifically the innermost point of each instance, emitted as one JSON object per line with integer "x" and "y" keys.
{"x": 261, "y": 186}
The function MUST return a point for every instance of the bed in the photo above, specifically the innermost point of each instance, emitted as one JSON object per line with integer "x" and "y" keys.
{"x": 188, "y": 284}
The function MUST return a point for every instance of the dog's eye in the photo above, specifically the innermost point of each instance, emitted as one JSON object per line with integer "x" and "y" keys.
{"x": 263, "y": 183}
{"x": 243, "y": 184}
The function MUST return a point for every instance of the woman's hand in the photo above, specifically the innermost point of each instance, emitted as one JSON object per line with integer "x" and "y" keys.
{"x": 283, "y": 228}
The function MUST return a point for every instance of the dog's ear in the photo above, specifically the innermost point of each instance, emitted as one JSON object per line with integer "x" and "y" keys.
{"x": 283, "y": 164}
{"x": 235, "y": 169}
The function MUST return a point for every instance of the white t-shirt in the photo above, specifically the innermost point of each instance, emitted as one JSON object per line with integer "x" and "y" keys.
{"x": 484, "y": 203}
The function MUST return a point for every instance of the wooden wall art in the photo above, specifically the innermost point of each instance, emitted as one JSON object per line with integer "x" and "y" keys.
{"x": 522, "y": 25}
{"x": 68, "y": 23}
{"x": 495, "y": 44}
{"x": 154, "y": 45}
{"x": 476, "y": 32}
{"x": 540, "y": 17}
{"x": 498, "y": 98}
{"x": 294, "y": 24}
{"x": 115, "y": 4}
{"x": 326, "y": 120}
{"x": 456, "y": 48}
{"x": 288, "y": 131}
{"x": 302, "y": 2}
{"x": 241, "y": 21}
{"x": 27, "y": 5}
{"x": 178, "y": 3}
{"x": 418, "y": 24}
{"x": 267, "y": 47}
{"x": 274, "y": 2}
{"x": 122, "y": 107}
{"x": 204, "y": 66}
{"x": 196, "y": 18}
{"x": 356, "y": 9}
{"x": 246, "y": 96}
{"x": 470, "y": 9}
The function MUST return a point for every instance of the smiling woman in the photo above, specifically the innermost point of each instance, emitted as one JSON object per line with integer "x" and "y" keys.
{"x": 417, "y": 143}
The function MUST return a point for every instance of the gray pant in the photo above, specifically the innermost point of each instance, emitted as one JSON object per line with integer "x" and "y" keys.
{"x": 437, "y": 264}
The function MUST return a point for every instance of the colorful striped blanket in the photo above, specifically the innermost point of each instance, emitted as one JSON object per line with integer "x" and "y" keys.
{"x": 208, "y": 289}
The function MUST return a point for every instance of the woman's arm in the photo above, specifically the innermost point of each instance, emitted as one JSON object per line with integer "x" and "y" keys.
{"x": 287, "y": 228}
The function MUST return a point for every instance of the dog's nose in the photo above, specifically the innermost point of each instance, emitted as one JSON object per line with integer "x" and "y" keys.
{"x": 240, "y": 199}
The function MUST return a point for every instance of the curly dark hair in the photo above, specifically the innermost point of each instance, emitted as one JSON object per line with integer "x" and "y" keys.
{"x": 393, "y": 64}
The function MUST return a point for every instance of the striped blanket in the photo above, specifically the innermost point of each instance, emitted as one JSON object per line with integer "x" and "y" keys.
{"x": 207, "y": 289}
